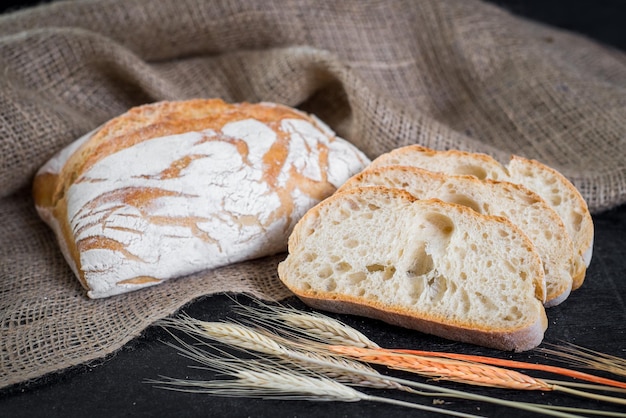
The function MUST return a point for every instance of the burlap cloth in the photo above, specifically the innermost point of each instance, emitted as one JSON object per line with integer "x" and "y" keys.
{"x": 383, "y": 74}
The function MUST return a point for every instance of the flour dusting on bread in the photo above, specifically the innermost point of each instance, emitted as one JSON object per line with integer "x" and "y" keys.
{"x": 173, "y": 188}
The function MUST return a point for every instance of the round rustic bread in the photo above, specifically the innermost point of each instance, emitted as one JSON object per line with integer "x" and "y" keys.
{"x": 172, "y": 188}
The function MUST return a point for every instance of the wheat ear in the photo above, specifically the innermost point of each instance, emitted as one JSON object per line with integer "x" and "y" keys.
{"x": 446, "y": 369}
{"x": 233, "y": 334}
{"x": 310, "y": 324}
{"x": 521, "y": 365}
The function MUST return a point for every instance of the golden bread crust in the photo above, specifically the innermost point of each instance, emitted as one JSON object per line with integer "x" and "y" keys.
{"x": 258, "y": 137}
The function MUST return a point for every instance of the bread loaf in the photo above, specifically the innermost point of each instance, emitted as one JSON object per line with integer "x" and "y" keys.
{"x": 436, "y": 267}
{"x": 172, "y": 188}
{"x": 522, "y": 207}
{"x": 548, "y": 183}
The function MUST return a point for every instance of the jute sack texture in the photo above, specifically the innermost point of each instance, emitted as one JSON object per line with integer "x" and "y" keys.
{"x": 442, "y": 73}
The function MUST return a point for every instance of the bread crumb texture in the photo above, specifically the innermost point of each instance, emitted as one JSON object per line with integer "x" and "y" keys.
{"x": 554, "y": 188}
{"x": 426, "y": 259}
{"x": 524, "y": 208}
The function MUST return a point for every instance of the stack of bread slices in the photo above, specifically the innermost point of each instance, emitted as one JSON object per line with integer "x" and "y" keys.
{"x": 450, "y": 243}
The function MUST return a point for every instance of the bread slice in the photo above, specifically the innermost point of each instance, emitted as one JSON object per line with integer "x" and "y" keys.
{"x": 524, "y": 208}
{"x": 436, "y": 267}
{"x": 548, "y": 183}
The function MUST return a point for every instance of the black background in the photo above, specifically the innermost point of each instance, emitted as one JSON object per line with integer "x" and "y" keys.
{"x": 594, "y": 316}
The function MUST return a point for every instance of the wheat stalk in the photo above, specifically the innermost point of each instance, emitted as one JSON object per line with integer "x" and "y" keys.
{"x": 273, "y": 380}
{"x": 310, "y": 334}
{"x": 256, "y": 379}
{"x": 330, "y": 331}
{"x": 463, "y": 372}
{"x": 248, "y": 339}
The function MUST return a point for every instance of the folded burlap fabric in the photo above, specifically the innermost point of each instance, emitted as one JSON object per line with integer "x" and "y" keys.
{"x": 444, "y": 74}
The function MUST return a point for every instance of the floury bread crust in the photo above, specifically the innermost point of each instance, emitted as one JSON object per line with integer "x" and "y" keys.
{"x": 172, "y": 188}
{"x": 436, "y": 267}
{"x": 548, "y": 183}
{"x": 522, "y": 207}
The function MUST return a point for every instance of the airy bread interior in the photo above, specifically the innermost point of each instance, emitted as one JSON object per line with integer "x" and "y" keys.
{"x": 562, "y": 196}
{"x": 548, "y": 183}
{"x": 524, "y": 208}
{"x": 425, "y": 264}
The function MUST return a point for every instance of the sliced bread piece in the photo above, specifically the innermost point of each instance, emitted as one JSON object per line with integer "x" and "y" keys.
{"x": 436, "y": 267}
{"x": 562, "y": 195}
{"x": 525, "y": 209}
{"x": 548, "y": 183}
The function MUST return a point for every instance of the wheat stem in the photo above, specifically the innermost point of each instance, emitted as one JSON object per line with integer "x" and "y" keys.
{"x": 588, "y": 395}
{"x": 416, "y": 406}
{"x": 586, "y": 411}
{"x": 331, "y": 331}
{"x": 586, "y": 386}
